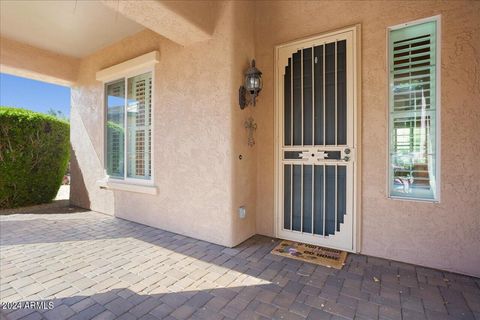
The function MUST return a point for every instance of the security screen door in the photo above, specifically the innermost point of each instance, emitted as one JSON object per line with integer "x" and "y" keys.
{"x": 316, "y": 140}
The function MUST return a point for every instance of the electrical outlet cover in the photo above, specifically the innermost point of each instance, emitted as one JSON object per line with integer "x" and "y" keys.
{"x": 242, "y": 212}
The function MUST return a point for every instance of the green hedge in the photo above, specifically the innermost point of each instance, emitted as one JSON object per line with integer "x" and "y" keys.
{"x": 34, "y": 154}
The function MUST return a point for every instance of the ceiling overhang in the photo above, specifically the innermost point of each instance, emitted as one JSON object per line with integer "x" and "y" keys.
{"x": 183, "y": 22}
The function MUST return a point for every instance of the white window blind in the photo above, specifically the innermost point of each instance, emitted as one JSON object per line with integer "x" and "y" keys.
{"x": 413, "y": 111}
{"x": 139, "y": 126}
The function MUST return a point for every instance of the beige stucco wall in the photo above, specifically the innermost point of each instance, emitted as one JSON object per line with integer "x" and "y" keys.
{"x": 444, "y": 235}
{"x": 198, "y": 134}
{"x": 23, "y": 60}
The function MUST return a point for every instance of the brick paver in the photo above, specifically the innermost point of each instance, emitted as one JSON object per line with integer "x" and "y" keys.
{"x": 93, "y": 266}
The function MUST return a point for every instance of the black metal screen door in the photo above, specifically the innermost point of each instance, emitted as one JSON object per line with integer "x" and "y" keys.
{"x": 316, "y": 152}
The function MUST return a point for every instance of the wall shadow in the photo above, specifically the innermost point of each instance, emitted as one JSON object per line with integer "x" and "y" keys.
{"x": 78, "y": 191}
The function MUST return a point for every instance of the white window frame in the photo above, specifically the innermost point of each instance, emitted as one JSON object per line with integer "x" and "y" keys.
{"x": 128, "y": 69}
{"x": 438, "y": 121}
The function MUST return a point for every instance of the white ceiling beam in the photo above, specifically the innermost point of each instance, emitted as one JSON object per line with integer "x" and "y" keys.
{"x": 27, "y": 61}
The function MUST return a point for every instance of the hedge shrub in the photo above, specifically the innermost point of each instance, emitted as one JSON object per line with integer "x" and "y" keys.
{"x": 34, "y": 154}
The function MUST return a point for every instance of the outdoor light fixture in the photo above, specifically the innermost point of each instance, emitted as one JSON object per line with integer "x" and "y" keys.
{"x": 253, "y": 85}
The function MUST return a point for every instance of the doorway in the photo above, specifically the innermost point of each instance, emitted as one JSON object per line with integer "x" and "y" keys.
{"x": 316, "y": 147}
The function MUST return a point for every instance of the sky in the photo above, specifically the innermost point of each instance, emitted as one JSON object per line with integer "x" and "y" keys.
{"x": 33, "y": 95}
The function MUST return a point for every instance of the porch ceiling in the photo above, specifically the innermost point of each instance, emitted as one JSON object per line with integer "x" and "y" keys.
{"x": 74, "y": 28}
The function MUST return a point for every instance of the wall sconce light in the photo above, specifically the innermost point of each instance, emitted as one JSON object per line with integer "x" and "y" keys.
{"x": 252, "y": 86}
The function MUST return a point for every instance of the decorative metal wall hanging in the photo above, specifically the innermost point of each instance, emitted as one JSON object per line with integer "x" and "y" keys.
{"x": 251, "y": 126}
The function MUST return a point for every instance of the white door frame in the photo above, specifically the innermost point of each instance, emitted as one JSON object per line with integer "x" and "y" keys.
{"x": 278, "y": 195}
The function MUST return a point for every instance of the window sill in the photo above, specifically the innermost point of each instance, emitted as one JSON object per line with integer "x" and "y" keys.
{"x": 123, "y": 186}
{"x": 398, "y": 198}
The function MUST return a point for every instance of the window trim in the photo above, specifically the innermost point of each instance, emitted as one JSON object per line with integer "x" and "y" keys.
{"x": 134, "y": 67}
{"x": 117, "y": 184}
{"x": 437, "y": 19}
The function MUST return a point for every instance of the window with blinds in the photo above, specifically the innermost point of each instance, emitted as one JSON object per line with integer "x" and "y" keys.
{"x": 128, "y": 127}
{"x": 413, "y": 108}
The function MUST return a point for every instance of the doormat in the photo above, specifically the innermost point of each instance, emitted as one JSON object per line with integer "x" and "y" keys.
{"x": 326, "y": 257}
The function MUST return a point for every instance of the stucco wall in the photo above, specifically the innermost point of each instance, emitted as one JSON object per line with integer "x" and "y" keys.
{"x": 444, "y": 235}
{"x": 198, "y": 134}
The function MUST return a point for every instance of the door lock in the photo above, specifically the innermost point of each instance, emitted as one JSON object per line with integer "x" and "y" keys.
{"x": 347, "y": 152}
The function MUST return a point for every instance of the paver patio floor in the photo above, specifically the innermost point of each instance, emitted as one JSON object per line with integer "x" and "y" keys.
{"x": 93, "y": 266}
